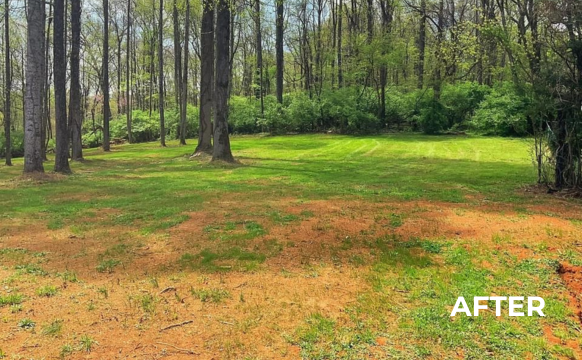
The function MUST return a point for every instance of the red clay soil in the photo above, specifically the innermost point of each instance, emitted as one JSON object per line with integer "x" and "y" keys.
{"x": 572, "y": 277}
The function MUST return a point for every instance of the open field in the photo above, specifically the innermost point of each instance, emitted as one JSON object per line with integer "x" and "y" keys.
{"x": 314, "y": 247}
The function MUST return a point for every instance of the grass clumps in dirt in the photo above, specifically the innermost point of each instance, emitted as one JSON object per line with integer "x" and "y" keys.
{"x": 31, "y": 269}
{"x": 86, "y": 343}
{"x": 47, "y": 291}
{"x": 26, "y": 324}
{"x": 107, "y": 266}
{"x": 211, "y": 295}
{"x": 11, "y": 299}
{"x": 53, "y": 328}
{"x": 229, "y": 259}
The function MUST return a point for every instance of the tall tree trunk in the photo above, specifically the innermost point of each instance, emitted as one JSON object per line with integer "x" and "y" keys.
{"x": 128, "y": 105}
{"x": 161, "y": 93}
{"x": 8, "y": 80}
{"x": 184, "y": 95}
{"x": 119, "y": 36}
{"x": 439, "y": 52}
{"x": 421, "y": 44}
{"x": 105, "y": 81}
{"x": 340, "y": 74}
{"x": 33, "y": 104}
{"x": 279, "y": 50}
{"x": 259, "y": 48}
{"x": 177, "y": 56}
{"x": 386, "y": 8}
{"x": 206, "y": 78}
{"x": 46, "y": 132}
{"x": 60, "y": 73}
{"x": 75, "y": 115}
{"x": 221, "y": 149}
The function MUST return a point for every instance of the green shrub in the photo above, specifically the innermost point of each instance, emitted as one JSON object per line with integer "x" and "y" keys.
{"x": 461, "y": 100}
{"x": 433, "y": 118}
{"x": 350, "y": 110}
{"x": 301, "y": 112}
{"x": 243, "y": 115}
{"x": 17, "y": 142}
{"x": 502, "y": 112}
{"x": 143, "y": 126}
{"x": 172, "y": 117}
{"x": 92, "y": 139}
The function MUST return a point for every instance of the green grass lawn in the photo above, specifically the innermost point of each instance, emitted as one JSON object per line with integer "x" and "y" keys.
{"x": 165, "y": 182}
{"x": 384, "y": 232}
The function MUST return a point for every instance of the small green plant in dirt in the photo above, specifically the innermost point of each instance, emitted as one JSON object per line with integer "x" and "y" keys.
{"x": 31, "y": 269}
{"x": 146, "y": 302}
{"x": 15, "y": 308}
{"x": 396, "y": 220}
{"x": 53, "y": 329}
{"x": 107, "y": 266}
{"x": 11, "y": 299}
{"x": 48, "y": 291}
{"x": 66, "y": 350}
{"x": 210, "y": 295}
{"x": 103, "y": 291}
{"x": 68, "y": 276}
{"x": 86, "y": 343}
{"x": 26, "y": 324}
{"x": 2, "y": 354}
{"x": 154, "y": 282}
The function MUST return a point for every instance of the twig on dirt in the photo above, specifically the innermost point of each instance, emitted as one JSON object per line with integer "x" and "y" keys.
{"x": 188, "y": 351}
{"x": 226, "y": 323}
{"x": 177, "y": 325}
{"x": 401, "y": 291}
{"x": 169, "y": 288}
{"x": 240, "y": 285}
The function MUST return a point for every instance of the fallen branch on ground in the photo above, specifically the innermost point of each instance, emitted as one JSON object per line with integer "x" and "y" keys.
{"x": 176, "y": 325}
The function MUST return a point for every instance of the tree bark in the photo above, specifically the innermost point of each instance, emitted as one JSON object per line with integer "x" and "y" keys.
{"x": 177, "y": 63}
{"x": 75, "y": 115}
{"x": 340, "y": 74}
{"x": 184, "y": 94}
{"x": 221, "y": 149}
{"x": 33, "y": 103}
{"x": 279, "y": 50}
{"x": 206, "y": 78}
{"x": 60, "y": 74}
{"x": 421, "y": 44}
{"x": 128, "y": 105}
{"x": 46, "y": 131}
{"x": 161, "y": 93}
{"x": 105, "y": 80}
{"x": 259, "y": 49}
{"x": 8, "y": 82}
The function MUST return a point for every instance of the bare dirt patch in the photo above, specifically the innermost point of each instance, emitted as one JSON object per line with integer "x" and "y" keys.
{"x": 125, "y": 310}
{"x": 572, "y": 277}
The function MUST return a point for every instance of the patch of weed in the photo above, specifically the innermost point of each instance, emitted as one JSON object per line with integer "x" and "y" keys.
{"x": 48, "y": 291}
{"x": 26, "y": 324}
{"x": 11, "y": 299}
{"x": 107, "y": 266}
{"x": 53, "y": 329}
{"x": 210, "y": 295}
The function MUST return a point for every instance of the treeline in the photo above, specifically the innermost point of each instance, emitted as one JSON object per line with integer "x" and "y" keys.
{"x": 510, "y": 68}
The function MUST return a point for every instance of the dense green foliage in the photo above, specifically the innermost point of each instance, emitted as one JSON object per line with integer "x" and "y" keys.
{"x": 17, "y": 140}
{"x": 464, "y": 106}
